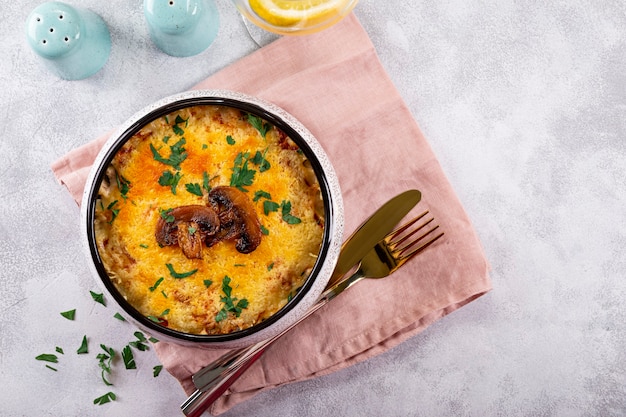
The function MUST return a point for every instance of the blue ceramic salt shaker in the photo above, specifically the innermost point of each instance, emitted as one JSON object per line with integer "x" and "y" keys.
{"x": 74, "y": 43}
{"x": 182, "y": 27}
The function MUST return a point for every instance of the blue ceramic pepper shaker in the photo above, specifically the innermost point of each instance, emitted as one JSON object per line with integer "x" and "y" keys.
{"x": 182, "y": 27}
{"x": 74, "y": 43}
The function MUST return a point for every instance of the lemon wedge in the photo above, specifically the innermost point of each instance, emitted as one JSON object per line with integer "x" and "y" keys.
{"x": 301, "y": 13}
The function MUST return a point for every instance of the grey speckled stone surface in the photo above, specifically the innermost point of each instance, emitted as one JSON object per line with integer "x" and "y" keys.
{"x": 524, "y": 102}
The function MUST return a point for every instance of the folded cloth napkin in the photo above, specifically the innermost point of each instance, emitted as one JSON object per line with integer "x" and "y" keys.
{"x": 333, "y": 82}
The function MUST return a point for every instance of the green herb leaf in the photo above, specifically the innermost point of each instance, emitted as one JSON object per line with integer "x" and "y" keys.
{"x": 264, "y": 230}
{"x": 119, "y": 317}
{"x": 206, "y": 182}
{"x": 165, "y": 312}
{"x": 179, "y": 131}
{"x": 108, "y": 397}
{"x": 242, "y": 176}
{"x": 260, "y": 161}
{"x": 157, "y": 370}
{"x": 140, "y": 343}
{"x": 50, "y": 367}
{"x": 179, "y": 275}
{"x": 84, "y": 347}
{"x": 231, "y": 305}
{"x": 70, "y": 314}
{"x": 221, "y": 315}
{"x": 167, "y": 215}
{"x": 179, "y": 120}
{"x": 167, "y": 179}
{"x": 230, "y": 140}
{"x": 123, "y": 185}
{"x": 153, "y": 340}
{"x": 99, "y": 298}
{"x": 286, "y": 212}
{"x": 105, "y": 359}
{"x": 194, "y": 188}
{"x": 129, "y": 359}
{"x": 259, "y": 124}
{"x": 143, "y": 245}
{"x": 59, "y": 350}
{"x": 157, "y": 320}
{"x": 207, "y": 282}
{"x": 48, "y": 357}
{"x": 156, "y": 284}
{"x": 261, "y": 194}
{"x": 270, "y": 266}
{"x": 270, "y": 206}
{"x": 177, "y": 154}
{"x": 114, "y": 211}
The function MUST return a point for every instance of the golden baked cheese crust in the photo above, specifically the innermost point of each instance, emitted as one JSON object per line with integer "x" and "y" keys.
{"x": 185, "y": 159}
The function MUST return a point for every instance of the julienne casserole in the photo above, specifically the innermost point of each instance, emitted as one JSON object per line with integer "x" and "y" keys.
{"x": 209, "y": 220}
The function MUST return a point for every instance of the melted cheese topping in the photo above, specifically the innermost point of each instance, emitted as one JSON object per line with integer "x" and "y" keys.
{"x": 131, "y": 200}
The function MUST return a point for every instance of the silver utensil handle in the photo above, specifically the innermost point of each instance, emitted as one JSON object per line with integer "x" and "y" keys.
{"x": 215, "y": 380}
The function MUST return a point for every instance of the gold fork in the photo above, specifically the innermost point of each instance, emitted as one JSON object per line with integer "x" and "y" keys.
{"x": 393, "y": 251}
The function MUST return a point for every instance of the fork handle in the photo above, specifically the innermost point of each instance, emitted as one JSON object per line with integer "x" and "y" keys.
{"x": 213, "y": 380}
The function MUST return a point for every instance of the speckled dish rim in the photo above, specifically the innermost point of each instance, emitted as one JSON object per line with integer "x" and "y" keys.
{"x": 333, "y": 207}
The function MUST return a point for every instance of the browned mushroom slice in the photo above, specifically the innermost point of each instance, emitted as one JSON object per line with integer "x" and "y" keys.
{"x": 238, "y": 218}
{"x": 188, "y": 227}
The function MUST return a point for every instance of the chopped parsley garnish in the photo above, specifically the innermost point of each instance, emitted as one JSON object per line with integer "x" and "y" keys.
{"x": 177, "y": 129}
{"x": 259, "y": 124}
{"x": 84, "y": 346}
{"x": 156, "y": 284}
{"x": 50, "y": 367}
{"x": 194, "y": 188}
{"x": 242, "y": 176}
{"x": 230, "y": 140}
{"x": 48, "y": 357}
{"x": 114, "y": 211}
{"x": 177, "y": 154}
{"x": 206, "y": 181}
{"x": 270, "y": 206}
{"x": 165, "y": 312}
{"x": 129, "y": 359}
{"x": 143, "y": 245}
{"x": 157, "y": 370}
{"x": 108, "y": 397}
{"x": 59, "y": 350}
{"x": 261, "y": 194}
{"x": 99, "y": 298}
{"x": 260, "y": 161}
{"x": 231, "y": 305}
{"x": 119, "y": 317}
{"x": 123, "y": 185}
{"x": 286, "y": 212}
{"x": 157, "y": 320}
{"x": 207, "y": 283}
{"x": 191, "y": 230}
{"x": 179, "y": 275}
{"x": 104, "y": 362}
{"x": 70, "y": 314}
{"x": 264, "y": 230}
{"x": 167, "y": 215}
{"x": 167, "y": 179}
{"x": 270, "y": 266}
{"x": 140, "y": 343}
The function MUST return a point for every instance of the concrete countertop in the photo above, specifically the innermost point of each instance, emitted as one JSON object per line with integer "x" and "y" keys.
{"x": 523, "y": 102}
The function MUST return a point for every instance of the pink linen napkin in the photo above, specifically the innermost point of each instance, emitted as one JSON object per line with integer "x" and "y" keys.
{"x": 333, "y": 82}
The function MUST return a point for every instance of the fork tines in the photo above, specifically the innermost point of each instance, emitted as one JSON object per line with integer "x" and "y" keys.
{"x": 398, "y": 239}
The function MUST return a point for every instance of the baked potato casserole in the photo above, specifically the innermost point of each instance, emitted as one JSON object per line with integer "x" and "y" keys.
{"x": 209, "y": 220}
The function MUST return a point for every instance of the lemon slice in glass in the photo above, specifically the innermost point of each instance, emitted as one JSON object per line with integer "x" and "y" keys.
{"x": 287, "y": 13}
